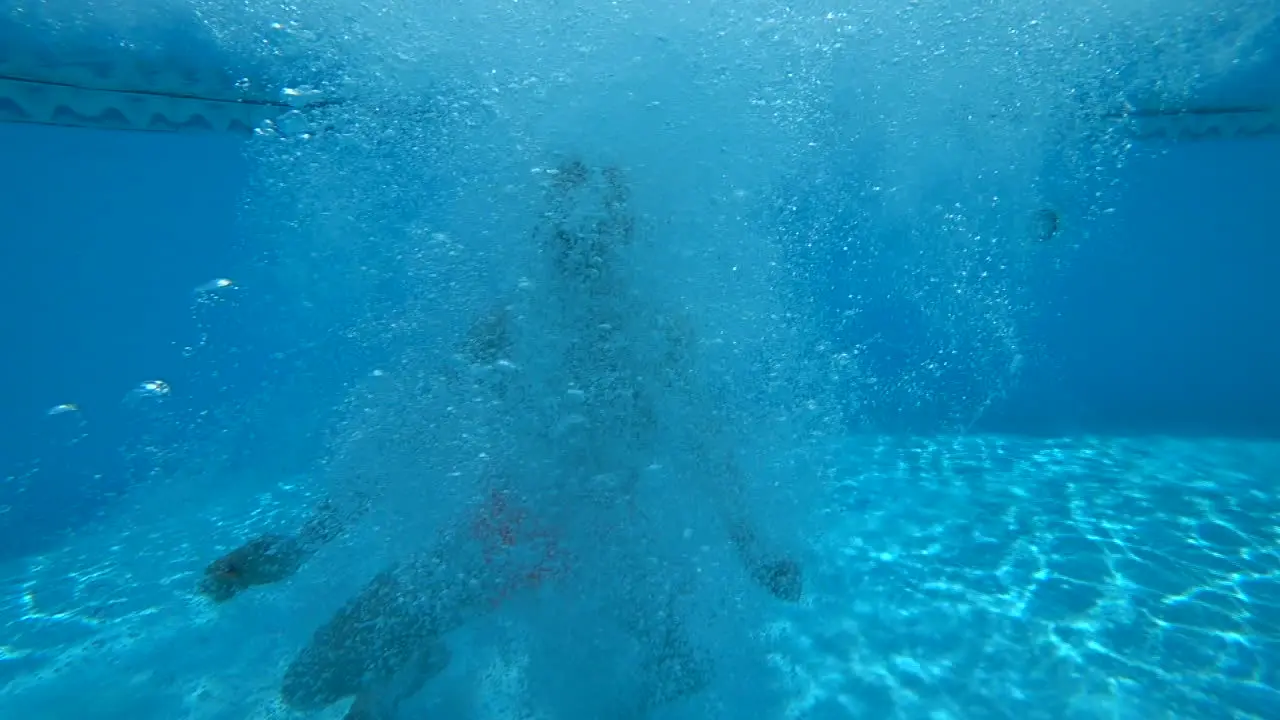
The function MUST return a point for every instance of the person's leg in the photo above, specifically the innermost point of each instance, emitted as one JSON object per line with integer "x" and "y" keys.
{"x": 672, "y": 665}
{"x": 380, "y": 700}
{"x": 386, "y": 642}
{"x": 369, "y": 640}
{"x": 380, "y": 643}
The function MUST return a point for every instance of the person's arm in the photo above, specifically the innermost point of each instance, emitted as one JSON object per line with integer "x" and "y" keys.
{"x": 272, "y": 557}
{"x": 775, "y": 571}
{"x": 712, "y": 447}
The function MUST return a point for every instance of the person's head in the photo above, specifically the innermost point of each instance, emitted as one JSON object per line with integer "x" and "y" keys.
{"x": 588, "y": 220}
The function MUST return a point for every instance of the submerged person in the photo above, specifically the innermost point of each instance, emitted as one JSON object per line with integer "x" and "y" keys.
{"x": 581, "y": 329}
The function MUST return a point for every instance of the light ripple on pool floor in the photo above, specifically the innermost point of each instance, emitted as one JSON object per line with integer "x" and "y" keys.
{"x": 961, "y": 578}
{"x": 989, "y": 577}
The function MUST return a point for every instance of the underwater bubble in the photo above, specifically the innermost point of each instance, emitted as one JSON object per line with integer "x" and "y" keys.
{"x": 301, "y": 96}
{"x": 214, "y": 285}
{"x": 149, "y": 390}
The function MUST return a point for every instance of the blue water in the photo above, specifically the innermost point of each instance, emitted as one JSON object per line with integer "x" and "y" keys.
{"x": 1027, "y": 531}
{"x": 98, "y": 299}
{"x": 1163, "y": 322}
{"x": 102, "y": 298}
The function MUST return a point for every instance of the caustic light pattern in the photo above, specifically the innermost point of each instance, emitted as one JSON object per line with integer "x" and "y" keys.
{"x": 965, "y": 577}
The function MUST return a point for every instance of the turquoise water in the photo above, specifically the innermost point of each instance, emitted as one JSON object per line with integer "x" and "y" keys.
{"x": 557, "y": 338}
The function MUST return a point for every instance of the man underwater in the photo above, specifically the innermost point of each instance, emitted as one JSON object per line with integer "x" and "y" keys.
{"x": 625, "y": 365}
